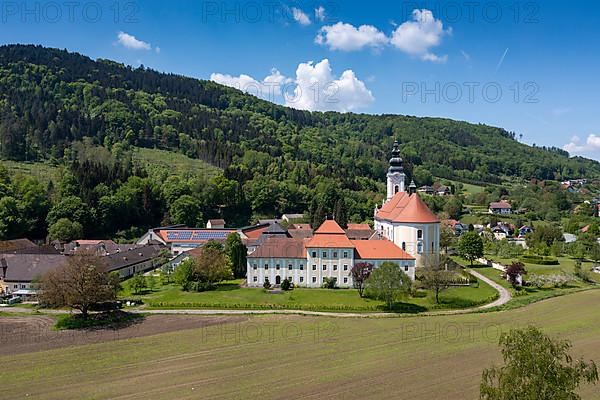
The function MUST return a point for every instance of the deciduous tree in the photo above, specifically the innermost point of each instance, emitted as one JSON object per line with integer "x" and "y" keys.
{"x": 536, "y": 367}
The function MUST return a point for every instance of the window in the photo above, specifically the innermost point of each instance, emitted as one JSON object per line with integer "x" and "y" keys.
{"x": 432, "y": 246}
{"x": 277, "y": 267}
{"x": 324, "y": 267}
{"x": 254, "y": 267}
{"x": 324, "y": 254}
{"x": 314, "y": 267}
{"x": 335, "y": 254}
{"x": 419, "y": 234}
{"x": 345, "y": 267}
{"x": 345, "y": 254}
{"x": 406, "y": 268}
{"x": 301, "y": 267}
{"x": 314, "y": 254}
{"x": 290, "y": 267}
{"x": 335, "y": 267}
{"x": 266, "y": 266}
{"x": 290, "y": 278}
{"x": 404, "y": 246}
{"x": 420, "y": 247}
{"x": 396, "y": 189}
{"x": 314, "y": 279}
{"x": 16, "y": 286}
{"x": 323, "y": 279}
{"x": 255, "y": 279}
{"x": 345, "y": 279}
{"x": 301, "y": 279}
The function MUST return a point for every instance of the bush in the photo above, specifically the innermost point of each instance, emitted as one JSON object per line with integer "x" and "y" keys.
{"x": 539, "y": 260}
{"x": 286, "y": 284}
{"x": 267, "y": 284}
{"x": 330, "y": 283}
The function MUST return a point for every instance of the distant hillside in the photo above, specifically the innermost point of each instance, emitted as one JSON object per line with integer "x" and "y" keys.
{"x": 50, "y": 98}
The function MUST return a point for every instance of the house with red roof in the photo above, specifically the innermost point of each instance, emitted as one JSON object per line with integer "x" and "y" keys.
{"x": 329, "y": 253}
{"x": 405, "y": 219}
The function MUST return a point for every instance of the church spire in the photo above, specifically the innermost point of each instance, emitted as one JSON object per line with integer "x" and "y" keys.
{"x": 395, "y": 175}
{"x": 396, "y": 160}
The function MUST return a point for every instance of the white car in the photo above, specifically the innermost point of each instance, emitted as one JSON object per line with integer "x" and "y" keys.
{"x": 596, "y": 270}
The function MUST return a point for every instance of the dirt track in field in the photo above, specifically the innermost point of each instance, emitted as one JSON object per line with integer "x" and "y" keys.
{"x": 26, "y": 334}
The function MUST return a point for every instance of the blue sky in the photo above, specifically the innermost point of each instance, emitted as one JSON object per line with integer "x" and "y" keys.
{"x": 373, "y": 57}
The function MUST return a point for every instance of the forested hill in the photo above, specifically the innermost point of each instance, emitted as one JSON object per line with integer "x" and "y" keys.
{"x": 50, "y": 98}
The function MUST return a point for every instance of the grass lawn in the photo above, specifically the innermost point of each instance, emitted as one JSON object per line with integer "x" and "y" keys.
{"x": 172, "y": 163}
{"x": 566, "y": 265}
{"x": 44, "y": 172}
{"x": 529, "y": 295}
{"x": 291, "y": 356}
{"x": 230, "y": 296}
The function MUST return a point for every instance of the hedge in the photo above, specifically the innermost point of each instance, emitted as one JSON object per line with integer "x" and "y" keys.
{"x": 539, "y": 260}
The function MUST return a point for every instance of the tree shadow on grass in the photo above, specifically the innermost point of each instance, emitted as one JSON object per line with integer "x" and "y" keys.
{"x": 227, "y": 287}
{"x": 403, "y": 308}
{"x": 111, "y": 320}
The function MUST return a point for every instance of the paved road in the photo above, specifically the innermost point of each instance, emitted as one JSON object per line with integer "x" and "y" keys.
{"x": 504, "y": 298}
{"x": 505, "y": 295}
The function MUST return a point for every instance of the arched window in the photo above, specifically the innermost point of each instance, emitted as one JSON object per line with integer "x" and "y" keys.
{"x": 396, "y": 189}
{"x": 404, "y": 246}
{"x": 420, "y": 234}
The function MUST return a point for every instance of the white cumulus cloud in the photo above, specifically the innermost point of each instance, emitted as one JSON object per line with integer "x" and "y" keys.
{"x": 314, "y": 88}
{"x": 269, "y": 88}
{"x": 346, "y": 37}
{"x": 319, "y": 90}
{"x": 131, "y": 42}
{"x": 320, "y": 13}
{"x": 300, "y": 16}
{"x": 591, "y": 144}
{"x": 418, "y": 36}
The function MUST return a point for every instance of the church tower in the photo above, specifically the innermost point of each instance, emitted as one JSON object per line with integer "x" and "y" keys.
{"x": 395, "y": 175}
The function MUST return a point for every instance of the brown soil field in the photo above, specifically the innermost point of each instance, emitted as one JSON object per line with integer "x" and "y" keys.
{"x": 25, "y": 334}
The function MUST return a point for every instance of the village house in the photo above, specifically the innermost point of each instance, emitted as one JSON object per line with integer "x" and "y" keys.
{"x": 500, "y": 207}
{"x": 215, "y": 224}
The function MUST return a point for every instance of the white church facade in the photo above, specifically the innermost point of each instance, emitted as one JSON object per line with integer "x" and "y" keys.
{"x": 405, "y": 219}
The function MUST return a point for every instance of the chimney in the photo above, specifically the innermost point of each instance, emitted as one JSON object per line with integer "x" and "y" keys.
{"x": 4, "y": 267}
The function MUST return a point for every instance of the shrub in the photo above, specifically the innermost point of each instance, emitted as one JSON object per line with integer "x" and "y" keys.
{"x": 539, "y": 260}
{"x": 267, "y": 284}
{"x": 330, "y": 283}
{"x": 286, "y": 284}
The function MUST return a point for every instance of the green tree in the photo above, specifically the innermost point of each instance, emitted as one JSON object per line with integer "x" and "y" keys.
{"x": 186, "y": 210}
{"x": 536, "y": 367}
{"x": 236, "y": 252}
{"x": 183, "y": 273}
{"x": 389, "y": 284}
{"x": 470, "y": 246}
{"x": 80, "y": 283}
{"x": 340, "y": 213}
{"x": 11, "y": 221}
{"x": 137, "y": 283}
{"x": 436, "y": 278}
{"x": 65, "y": 230}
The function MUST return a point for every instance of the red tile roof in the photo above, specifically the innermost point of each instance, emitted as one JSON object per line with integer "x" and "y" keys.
{"x": 379, "y": 250}
{"x": 404, "y": 207}
{"x": 281, "y": 247}
{"x": 329, "y": 227}
{"x": 500, "y": 205}
{"x": 330, "y": 234}
{"x": 359, "y": 227}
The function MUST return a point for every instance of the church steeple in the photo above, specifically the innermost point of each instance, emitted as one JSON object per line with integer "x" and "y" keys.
{"x": 396, "y": 160}
{"x": 395, "y": 175}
